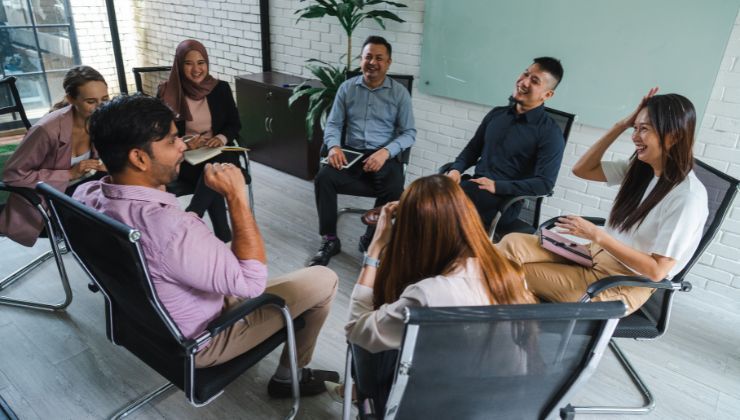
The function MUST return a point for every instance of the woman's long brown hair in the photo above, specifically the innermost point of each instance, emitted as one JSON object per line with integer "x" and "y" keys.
{"x": 435, "y": 230}
{"x": 674, "y": 119}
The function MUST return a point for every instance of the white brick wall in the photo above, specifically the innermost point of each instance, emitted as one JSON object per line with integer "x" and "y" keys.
{"x": 231, "y": 33}
{"x": 94, "y": 39}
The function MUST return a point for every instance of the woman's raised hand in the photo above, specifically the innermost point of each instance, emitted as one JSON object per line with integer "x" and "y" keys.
{"x": 383, "y": 229}
{"x": 629, "y": 121}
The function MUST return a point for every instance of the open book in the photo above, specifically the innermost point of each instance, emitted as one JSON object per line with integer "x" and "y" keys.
{"x": 197, "y": 156}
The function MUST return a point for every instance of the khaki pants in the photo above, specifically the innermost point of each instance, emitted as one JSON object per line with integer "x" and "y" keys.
{"x": 556, "y": 279}
{"x": 308, "y": 291}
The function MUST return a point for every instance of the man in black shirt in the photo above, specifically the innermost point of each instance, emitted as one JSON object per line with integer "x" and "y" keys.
{"x": 517, "y": 149}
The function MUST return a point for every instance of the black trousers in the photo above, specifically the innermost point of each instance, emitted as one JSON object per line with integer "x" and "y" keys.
{"x": 206, "y": 199}
{"x": 489, "y": 204}
{"x": 373, "y": 374}
{"x": 386, "y": 185}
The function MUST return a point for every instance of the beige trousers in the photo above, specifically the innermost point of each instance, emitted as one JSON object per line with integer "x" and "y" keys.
{"x": 308, "y": 291}
{"x": 556, "y": 279}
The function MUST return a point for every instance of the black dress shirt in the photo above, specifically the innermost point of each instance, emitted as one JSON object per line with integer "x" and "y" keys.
{"x": 520, "y": 152}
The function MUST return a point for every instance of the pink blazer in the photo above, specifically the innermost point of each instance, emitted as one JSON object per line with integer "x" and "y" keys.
{"x": 45, "y": 154}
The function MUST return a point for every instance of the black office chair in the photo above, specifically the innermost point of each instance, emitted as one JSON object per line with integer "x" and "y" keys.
{"x": 366, "y": 190}
{"x": 11, "y": 104}
{"x": 147, "y": 80}
{"x": 495, "y": 362}
{"x": 528, "y": 219}
{"x": 10, "y": 101}
{"x": 110, "y": 253}
{"x": 651, "y": 320}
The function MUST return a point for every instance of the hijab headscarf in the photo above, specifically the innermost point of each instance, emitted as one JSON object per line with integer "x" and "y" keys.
{"x": 177, "y": 87}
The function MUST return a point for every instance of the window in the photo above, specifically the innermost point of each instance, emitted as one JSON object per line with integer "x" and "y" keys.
{"x": 37, "y": 46}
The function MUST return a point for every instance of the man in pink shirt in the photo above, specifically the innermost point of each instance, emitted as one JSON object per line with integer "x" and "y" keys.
{"x": 197, "y": 276}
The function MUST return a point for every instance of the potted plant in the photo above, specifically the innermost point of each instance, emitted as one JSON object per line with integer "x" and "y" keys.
{"x": 350, "y": 14}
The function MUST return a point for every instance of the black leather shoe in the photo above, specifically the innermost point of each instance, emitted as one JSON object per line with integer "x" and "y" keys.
{"x": 364, "y": 242}
{"x": 311, "y": 383}
{"x": 328, "y": 249}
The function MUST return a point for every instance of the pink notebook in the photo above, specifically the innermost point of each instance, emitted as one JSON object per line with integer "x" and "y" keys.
{"x": 566, "y": 248}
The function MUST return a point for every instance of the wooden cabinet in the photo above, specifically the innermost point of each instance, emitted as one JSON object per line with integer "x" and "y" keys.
{"x": 274, "y": 132}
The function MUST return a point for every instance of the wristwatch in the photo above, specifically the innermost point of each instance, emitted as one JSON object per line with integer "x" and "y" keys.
{"x": 370, "y": 261}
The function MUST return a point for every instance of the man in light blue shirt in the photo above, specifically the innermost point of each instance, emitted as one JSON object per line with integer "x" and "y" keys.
{"x": 376, "y": 111}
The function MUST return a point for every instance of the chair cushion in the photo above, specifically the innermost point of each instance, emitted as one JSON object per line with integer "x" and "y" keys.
{"x": 636, "y": 325}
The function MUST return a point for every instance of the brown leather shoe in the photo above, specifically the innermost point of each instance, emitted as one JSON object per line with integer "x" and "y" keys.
{"x": 371, "y": 216}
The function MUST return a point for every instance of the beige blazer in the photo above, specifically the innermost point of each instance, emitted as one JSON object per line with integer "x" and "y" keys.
{"x": 382, "y": 329}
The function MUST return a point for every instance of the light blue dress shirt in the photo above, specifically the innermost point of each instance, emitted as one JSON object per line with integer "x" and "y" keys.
{"x": 381, "y": 117}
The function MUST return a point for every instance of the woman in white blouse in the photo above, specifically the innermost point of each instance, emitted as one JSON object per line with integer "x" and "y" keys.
{"x": 657, "y": 218}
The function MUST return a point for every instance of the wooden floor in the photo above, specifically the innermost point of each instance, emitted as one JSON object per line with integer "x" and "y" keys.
{"x": 61, "y": 366}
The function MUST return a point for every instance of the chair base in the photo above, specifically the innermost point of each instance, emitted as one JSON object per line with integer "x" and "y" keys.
{"x": 57, "y": 250}
{"x": 139, "y": 402}
{"x": 638, "y": 382}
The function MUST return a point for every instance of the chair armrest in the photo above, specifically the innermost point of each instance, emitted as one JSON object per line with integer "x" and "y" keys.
{"x": 27, "y": 193}
{"x": 235, "y": 314}
{"x": 633, "y": 281}
{"x": 444, "y": 168}
{"x": 550, "y": 223}
{"x": 511, "y": 201}
{"x": 508, "y": 203}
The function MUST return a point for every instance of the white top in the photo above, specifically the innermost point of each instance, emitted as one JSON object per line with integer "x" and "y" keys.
{"x": 80, "y": 158}
{"x": 673, "y": 228}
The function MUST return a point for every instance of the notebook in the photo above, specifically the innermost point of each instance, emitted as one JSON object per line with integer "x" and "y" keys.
{"x": 197, "y": 156}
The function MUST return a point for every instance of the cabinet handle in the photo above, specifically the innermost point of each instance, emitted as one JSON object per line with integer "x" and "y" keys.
{"x": 270, "y": 124}
{"x": 267, "y": 130}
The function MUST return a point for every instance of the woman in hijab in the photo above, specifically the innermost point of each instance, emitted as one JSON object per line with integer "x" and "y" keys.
{"x": 205, "y": 109}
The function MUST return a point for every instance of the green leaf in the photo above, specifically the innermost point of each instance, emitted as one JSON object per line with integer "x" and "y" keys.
{"x": 301, "y": 93}
{"x": 322, "y": 73}
{"x": 385, "y": 14}
{"x": 391, "y": 3}
{"x": 316, "y": 60}
{"x": 379, "y": 21}
{"x": 312, "y": 14}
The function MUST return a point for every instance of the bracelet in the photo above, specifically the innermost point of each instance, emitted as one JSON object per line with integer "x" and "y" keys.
{"x": 370, "y": 261}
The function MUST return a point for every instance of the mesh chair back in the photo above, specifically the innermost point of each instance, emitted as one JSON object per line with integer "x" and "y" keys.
{"x": 498, "y": 362}
{"x": 12, "y": 113}
{"x": 564, "y": 120}
{"x": 147, "y": 79}
{"x": 721, "y": 189}
{"x": 110, "y": 253}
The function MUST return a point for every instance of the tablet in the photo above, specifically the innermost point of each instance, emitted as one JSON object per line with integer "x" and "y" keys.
{"x": 566, "y": 248}
{"x": 351, "y": 156}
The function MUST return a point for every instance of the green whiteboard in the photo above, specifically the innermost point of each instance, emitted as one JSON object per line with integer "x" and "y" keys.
{"x": 613, "y": 51}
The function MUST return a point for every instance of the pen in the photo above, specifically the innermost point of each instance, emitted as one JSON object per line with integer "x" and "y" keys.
{"x": 290, "y": 85}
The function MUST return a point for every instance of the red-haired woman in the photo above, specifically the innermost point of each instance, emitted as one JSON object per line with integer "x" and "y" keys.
{"x": 435, "y": 253}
